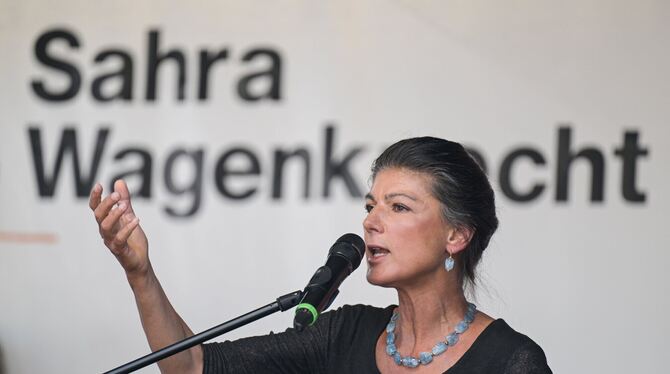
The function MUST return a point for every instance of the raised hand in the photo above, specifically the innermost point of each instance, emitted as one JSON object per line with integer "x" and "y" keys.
{"x": 120, "y": 229}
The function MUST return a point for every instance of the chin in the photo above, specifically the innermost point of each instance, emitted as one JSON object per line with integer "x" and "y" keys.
{"x": 377, "y": 279}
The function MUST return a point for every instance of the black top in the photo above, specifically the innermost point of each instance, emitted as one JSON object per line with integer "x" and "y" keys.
{"x": 344, "y": 340}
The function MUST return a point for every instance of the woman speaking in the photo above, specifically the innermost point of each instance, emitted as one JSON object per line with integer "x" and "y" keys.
{"x": 430, "y": 215}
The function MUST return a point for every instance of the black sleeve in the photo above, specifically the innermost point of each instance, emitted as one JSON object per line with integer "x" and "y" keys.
{"x": 528, "y": 358}
{"x": 286, "y": 352}
{"x": 341, "y": 341}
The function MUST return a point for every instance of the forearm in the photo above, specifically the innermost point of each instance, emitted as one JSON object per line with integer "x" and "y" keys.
{"x": 162, "y": 325}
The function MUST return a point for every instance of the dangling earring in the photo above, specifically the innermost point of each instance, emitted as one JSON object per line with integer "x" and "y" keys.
{"x": 449, "y": 263}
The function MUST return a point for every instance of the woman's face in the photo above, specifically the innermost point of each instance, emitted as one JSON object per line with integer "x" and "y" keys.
{"x": 405, "y": 233}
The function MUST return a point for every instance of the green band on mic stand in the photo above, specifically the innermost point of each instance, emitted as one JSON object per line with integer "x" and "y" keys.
{"x": 311, "y": 310}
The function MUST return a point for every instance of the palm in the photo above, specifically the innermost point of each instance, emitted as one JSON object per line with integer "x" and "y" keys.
{"x": 135, "y": 252}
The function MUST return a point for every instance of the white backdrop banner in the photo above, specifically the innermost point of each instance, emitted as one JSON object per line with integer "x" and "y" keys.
{"x": 246, "y": 132}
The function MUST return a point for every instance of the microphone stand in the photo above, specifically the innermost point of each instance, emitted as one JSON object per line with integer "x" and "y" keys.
{"x": 282, "y": 303}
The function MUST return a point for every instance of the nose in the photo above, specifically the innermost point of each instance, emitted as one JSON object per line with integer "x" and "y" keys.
{"x": 372, "y": 222}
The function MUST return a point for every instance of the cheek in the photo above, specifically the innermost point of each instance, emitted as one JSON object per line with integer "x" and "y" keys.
{"x": 406, "y": 236}
{"x": 426, "y": 229}
{"x": 421, "y": 236}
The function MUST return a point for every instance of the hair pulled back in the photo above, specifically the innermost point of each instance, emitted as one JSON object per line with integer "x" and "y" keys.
{"x": 458, "y": 183}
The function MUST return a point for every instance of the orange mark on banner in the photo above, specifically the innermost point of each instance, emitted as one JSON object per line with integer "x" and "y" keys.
{"x": 28, "y": 237}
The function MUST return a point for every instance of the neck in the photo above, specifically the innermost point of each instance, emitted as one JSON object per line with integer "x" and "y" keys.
{"x": 427, "y": 314}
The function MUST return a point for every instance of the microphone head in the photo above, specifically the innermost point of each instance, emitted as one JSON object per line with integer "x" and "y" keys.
{"x": 351, "y": 247}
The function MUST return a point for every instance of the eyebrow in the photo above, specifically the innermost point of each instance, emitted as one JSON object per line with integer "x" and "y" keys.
{"x": 369, "y": 196}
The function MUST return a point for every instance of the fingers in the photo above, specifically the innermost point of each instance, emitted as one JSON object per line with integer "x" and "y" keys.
{"x": 108, "y": 223}
{"x": 102, "y": 210}
{"x": 94, "y": 198}
{"x": 121, "y": 188}
{"x": 122, "y": 236}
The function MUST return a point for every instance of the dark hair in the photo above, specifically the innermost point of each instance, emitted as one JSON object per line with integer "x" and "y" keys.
{"x": 458, "y": 183}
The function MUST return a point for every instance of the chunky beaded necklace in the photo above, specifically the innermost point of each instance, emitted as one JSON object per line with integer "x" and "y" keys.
{"x": 426, "y": 358}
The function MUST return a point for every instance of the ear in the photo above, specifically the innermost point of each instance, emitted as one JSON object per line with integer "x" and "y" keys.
{"x": 458, "y": 239}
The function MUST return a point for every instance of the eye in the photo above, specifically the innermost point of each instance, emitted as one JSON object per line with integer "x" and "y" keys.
{"x": 368, "y": 207}
{"x": 399, "y": 208}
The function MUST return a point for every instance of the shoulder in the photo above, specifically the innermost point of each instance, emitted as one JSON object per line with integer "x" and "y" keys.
{"x": 362, "y": 311}
{"x": 528, "y": 358}
{"x": 500, "y": 331}
{"x": 522, "y": 355}
{"x": 357, "y": 316}
{"x": 510, "y": 349}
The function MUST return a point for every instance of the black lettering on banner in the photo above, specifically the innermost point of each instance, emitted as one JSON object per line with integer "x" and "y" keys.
{"x": 195, "y": 186}
{"x": 256, "y": 84}
{"x": 237, "y": 171}
{"x": 280, "y": 158}
{"x": 46, "y": 184}
{"x": 565, "y": 159}
{"x": 70, "y": 70}
{"x": 629, "y": 153}
{"x": 272, "y": 74}
{"x": 333, "y": 169}
{"x": 506, "y": 172}
{"x": 223, "y": 172}
{"x": 206, "y": 63}
{"x": 155, "y": 58}
{"x": 144, "y": 172}
{"x": 124, "y": 74}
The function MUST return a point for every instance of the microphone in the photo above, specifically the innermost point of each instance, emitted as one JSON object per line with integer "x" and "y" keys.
{"x": 343, "y": 258}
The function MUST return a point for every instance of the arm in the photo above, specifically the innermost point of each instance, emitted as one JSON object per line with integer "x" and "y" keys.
{"x": 122, "y": 234}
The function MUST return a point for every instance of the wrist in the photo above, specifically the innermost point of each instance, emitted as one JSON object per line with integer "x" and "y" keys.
{"x": 140, "y": 278}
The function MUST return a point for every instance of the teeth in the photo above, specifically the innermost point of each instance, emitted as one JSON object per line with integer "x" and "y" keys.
{"x": 378, "y": 252}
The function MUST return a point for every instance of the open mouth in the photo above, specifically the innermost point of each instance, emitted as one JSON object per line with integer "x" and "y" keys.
{"x": 377, "y": 252}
